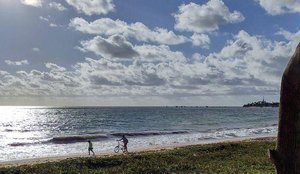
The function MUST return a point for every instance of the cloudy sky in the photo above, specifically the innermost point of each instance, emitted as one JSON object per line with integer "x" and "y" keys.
{"x": 144, "y": 52}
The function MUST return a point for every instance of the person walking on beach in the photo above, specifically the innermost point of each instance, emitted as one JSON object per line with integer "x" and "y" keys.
{"x": 91, "y": 147}
{"x": 125, "y": 141}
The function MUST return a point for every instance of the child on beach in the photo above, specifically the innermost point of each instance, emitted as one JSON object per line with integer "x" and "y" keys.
{"x": 91, "y": 147}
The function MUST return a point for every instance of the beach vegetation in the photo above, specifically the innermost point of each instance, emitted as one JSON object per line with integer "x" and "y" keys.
{"x": 227, "y": 157}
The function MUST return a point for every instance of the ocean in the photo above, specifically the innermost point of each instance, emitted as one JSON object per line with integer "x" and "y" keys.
{"x": 31, "y": 132}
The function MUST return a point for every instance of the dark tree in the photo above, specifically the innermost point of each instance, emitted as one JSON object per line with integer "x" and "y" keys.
{"x": 286, "y": 157}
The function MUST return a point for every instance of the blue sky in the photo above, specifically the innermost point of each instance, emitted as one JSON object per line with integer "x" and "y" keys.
{"x": 139, "y": 52}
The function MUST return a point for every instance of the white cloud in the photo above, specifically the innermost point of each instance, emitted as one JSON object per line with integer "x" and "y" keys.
{"x": 246, "y": 65}
{"x": 200, "y": 40}
{"x": 294, "y": 38}
{"x": 48, "y": 20}
{"x": 206, "y": 17}
{"x": 34, "y": 3}
{"x": 57, "y": 6}
{"x": 252, "y": 60}
{"x": 237, "y": 68}
{"x": 16, "y": 63}
{"x": 108, "y": 27}
{"x": 54, "y": 67}
{"x": 196, "y": 57}
{"x": 35, "y": 49}
{"x": 115, "y": 46}
{"x": 90, "y": 7}
{"x": 276, "y": 7}
{"x": 161, "y": 53}
{"x": 52, "y": 25}
{"x": 44, "y": 19}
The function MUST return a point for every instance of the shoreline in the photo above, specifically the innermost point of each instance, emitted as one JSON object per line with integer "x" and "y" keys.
{"x": 39, "y": 160}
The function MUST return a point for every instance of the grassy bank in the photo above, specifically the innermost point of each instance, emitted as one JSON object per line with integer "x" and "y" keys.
{"x": 235, "y": 157}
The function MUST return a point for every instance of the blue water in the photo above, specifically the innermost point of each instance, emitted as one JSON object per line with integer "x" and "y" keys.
{"x": 29, "y": 132}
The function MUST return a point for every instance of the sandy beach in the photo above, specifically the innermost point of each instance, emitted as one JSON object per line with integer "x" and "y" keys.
{"x": 134, "y": 151}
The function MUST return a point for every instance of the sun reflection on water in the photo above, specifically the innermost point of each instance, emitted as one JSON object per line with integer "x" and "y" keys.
{"x": 19, "y": 125}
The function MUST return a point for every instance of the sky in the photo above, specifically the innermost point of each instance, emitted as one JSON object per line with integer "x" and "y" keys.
{"x": 144, "y": 52}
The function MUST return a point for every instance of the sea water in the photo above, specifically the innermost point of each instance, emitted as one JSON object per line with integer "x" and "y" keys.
{"x": 31, "y": 132}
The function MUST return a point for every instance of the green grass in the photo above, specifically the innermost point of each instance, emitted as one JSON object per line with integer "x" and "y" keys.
{"x": 238, "y": 157}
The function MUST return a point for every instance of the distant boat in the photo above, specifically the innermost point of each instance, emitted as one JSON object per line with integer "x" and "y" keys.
{"x": 262, "y": 103}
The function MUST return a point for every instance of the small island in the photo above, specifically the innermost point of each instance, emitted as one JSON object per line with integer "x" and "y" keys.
{"x": 262, "y": 103}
